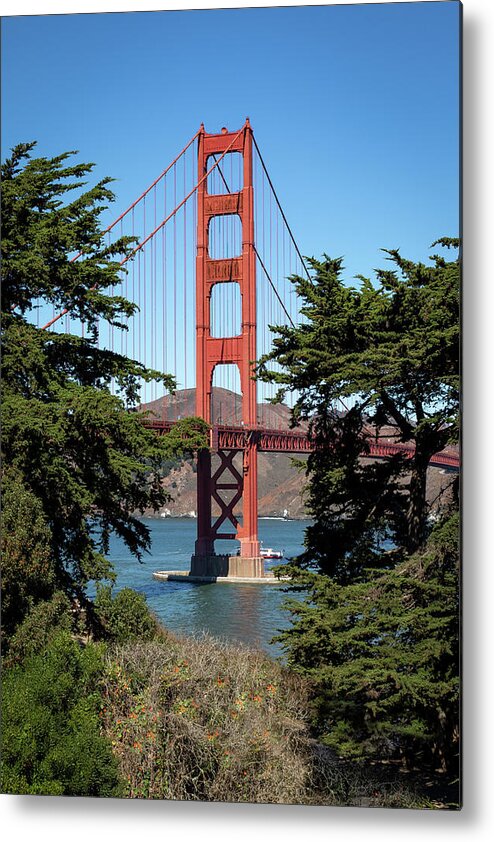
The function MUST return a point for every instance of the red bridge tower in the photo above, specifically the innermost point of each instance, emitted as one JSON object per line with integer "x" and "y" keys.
{"x": 239, "y": 350}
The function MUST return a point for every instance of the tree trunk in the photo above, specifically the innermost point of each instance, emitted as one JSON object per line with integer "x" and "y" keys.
{"x": 417, "y": 507}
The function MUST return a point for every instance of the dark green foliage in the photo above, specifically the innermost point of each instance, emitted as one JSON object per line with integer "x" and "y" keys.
{"x": 40, "y": 625}
{"x": 384, "y": 656}
{"x": 28, "y": 572}
{"x": 80, "y": 464}
{"x": 357, "y": 507}
{"x": 40, "y": 231}
{"x": 125, "y": 617}
{"x": 378, "y": 633}
{"x": 51, "y": 740}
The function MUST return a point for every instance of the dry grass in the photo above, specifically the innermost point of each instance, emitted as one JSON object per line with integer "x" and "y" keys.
{"x": 198, "y": 719}
{"x": 203, "y": 720}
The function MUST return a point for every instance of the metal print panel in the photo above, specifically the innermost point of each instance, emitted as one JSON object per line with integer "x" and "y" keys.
{"x": 230, "y": 414}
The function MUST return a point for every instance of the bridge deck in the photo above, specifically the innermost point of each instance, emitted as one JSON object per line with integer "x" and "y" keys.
{"x": 223, "y": 437}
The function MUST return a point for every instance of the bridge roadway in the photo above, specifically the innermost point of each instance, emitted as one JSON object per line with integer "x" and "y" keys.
{"x": 223, "y": 437}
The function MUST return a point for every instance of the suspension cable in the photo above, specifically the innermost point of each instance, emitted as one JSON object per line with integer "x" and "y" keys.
{"x": 258, "y": 255}
{"x": 281, "y": 209}
{"x": 143, "y": 195}
{"x": 182, "y": 203}
{"x": 273, "y": 287}
{"x": 161, "y": 225}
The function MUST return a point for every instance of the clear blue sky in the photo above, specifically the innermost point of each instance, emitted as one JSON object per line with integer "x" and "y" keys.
{"x": 355, "y": 108}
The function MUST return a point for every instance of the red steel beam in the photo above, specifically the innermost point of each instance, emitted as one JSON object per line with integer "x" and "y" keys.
{"x": 297, "y": 441}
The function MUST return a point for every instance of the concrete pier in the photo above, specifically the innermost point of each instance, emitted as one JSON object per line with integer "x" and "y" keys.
{"x": 185, "y": 576}
{"x": 227, "y": 566}
{"x": 233, "y": 569}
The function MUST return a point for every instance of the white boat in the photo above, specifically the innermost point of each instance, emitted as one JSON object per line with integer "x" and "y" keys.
{"x": 270, "y": 553}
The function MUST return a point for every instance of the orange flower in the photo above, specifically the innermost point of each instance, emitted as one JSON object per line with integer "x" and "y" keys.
{"x": 210, "y": 737}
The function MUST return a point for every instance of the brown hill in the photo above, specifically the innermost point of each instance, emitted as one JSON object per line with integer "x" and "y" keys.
{"x": 226, "y": 408}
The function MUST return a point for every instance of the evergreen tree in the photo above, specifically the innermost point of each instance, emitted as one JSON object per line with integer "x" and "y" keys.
{"x": 79, "y": 464}
{"x": 378, "y": 630}
{"x": 383, "y": 656}
{"x": 392, "y": 350}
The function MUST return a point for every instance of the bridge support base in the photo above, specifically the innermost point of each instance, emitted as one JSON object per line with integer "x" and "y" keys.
{"x": 223, "y": 565}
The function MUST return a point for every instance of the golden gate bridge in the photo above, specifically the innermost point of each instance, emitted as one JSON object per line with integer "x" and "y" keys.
{"x": 209, "y": 273}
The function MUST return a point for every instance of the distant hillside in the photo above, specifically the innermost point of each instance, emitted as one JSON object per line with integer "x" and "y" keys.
{"x": 226, "y": 408}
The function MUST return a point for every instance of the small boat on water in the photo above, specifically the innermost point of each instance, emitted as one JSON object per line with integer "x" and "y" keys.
{"x": 270, "y": 553}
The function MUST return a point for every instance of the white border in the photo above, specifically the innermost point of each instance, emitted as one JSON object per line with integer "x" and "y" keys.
{"x": 59, "y": 7}
{"x": 56, "y": 819}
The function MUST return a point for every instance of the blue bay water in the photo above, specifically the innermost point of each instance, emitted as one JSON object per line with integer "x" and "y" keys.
{"x": 250, "y": 614}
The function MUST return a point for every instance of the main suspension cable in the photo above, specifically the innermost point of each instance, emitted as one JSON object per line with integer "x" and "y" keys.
{"x": 258, "y": 255}
{"x": 280, "y": 208}
{"x": 140, "y": 246}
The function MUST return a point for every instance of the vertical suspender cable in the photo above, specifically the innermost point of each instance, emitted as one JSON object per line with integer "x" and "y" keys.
{"x": 111, "y": 329}
{"x": 125, "y": 284}
{"x": 138, "y": 326}
{"x": 153, "y": 300}
{"x": 133, "y": 294}
{"x": 175, "y": 274}
{"x": 143, "y": 312}
{"x": 164, "y": 331}
{"x": 194, "y": 252}
{"x": 185, "y": 280}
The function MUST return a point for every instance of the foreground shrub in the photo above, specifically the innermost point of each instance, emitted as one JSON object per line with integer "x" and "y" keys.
{"x": 125, "y": 616}
{"x": 28, "y": 574}
{"x": 51, "y": 740}
{"x": 41, "y": 624}
{"x": 198, "y": 719}
{"x": 201, "y": 720}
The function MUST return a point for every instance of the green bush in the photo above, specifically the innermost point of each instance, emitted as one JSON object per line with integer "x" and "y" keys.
{"x": 51, "y": 738}
{"x": 126, "y": 616}
{"x": 42, "y": 623}
{"x": 199, "y": 719}
{"x": 28, "y": 573}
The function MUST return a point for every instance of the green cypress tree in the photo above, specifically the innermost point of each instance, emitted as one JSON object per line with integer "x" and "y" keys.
{"x": 392, "y": 348}
{"x": 378, "y": 630}
{"x": 383, "y": 656}
{"x": 68, "y": 443}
